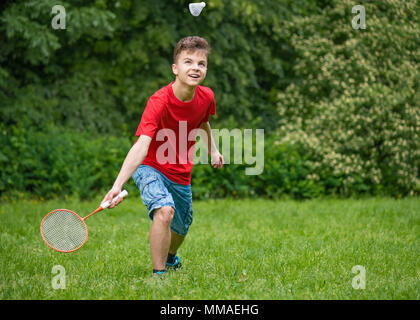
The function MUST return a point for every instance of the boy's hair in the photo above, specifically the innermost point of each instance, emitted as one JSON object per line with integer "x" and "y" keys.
{"x": 191, "y": 43}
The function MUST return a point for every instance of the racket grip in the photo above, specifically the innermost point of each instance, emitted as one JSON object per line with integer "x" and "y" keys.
{"x": 106, "y": 204}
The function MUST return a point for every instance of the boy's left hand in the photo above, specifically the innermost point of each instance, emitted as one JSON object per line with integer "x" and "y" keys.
{"x": 217, "y": 160}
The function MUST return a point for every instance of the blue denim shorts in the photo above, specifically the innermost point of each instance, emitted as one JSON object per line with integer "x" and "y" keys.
{"x": 157, "y": 191}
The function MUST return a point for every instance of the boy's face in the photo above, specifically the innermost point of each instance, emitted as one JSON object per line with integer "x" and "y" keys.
{"x": 191, "y": 67}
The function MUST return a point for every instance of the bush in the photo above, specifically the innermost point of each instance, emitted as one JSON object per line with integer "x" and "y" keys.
{"x": 355, "y": 109}
{"x": 344, "y": 104}
{"x": 57, "y": 162}
{"x": 285, "y": 174}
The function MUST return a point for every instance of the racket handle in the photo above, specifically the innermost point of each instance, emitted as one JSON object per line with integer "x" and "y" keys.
{"x": 106, "y": 204}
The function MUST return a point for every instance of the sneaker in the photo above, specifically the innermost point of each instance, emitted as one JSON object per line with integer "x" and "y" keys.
{"x": 174, "y": 266}
{"x": 159, "y": 274}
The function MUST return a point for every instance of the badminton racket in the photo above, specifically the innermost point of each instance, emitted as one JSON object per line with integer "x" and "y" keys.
{"x": 65, "y": 231}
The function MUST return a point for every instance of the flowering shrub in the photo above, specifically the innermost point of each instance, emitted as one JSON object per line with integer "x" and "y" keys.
{"x": 356, "y": 109}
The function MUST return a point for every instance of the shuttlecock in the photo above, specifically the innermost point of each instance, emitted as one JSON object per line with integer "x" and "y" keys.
{"x": 196, "y": 8}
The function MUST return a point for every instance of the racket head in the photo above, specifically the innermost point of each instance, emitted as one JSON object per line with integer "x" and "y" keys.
{"x": 64, "y": 230}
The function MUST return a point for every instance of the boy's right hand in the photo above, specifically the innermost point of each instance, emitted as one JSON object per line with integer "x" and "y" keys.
{"x": 111, "y": 195}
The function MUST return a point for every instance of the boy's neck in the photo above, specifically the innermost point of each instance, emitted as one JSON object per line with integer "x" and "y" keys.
{"x": 182, "y": 92}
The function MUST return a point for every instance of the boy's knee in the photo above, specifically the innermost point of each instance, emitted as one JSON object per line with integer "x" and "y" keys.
{"x": 164, "y": 214}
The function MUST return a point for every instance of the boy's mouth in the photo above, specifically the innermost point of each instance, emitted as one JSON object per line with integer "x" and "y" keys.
{"x": 194, "y": 76}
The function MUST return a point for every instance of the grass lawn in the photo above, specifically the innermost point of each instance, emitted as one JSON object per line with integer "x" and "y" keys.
{"x": 236, "y": 249}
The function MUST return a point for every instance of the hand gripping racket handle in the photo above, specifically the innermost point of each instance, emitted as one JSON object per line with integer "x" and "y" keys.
{"x": 106, "y": 204}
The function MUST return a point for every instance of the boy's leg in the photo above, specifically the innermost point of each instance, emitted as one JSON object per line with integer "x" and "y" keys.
{"x": 160, "y": 236}
{"x": 182, "y": 220}
{"x": 160, "y": 205}
{"x": 176, "y": 241}
{"x": 169, "y": 226}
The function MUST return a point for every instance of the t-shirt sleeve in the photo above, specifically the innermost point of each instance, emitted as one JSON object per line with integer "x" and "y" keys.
{"x": 212, "y": 108}
{"x": 150, "y": 119}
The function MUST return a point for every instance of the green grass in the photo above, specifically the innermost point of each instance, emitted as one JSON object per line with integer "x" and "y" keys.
{"x": 236, "y": 249}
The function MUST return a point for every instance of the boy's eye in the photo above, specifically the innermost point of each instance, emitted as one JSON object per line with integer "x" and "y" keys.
{"x": 200, "y": 63}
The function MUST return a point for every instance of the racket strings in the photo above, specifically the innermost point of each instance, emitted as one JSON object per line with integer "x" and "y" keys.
{"x": 63, "y": 230}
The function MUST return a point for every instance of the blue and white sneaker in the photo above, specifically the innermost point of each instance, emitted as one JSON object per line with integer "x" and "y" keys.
{"x": 159, "y": 274}
{"x": 174, "y": 266}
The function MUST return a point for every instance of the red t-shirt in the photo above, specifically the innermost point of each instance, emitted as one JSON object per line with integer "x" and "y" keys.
{"x": 163, "y": 113}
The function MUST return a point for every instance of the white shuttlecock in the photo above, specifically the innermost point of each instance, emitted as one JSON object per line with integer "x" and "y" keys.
{"x": 196, "y": 8}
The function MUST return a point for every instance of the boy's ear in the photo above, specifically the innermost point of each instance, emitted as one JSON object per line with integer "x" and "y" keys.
{"x": 174, "y": 69}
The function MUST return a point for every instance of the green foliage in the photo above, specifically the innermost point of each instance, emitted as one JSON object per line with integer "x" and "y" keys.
{"x": 285, "y": 173}
{"x": 340, "y": 107}
{"x": 49, "y": 76}
{"x": 113, "y": 55}
{"x": 354, "y": 108}
{"x": 58, "y": 162}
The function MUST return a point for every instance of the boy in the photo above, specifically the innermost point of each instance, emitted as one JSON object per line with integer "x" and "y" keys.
{"x": 171, "y": 119}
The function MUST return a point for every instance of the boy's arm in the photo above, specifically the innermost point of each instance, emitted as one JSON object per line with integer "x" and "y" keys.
{"x": 132, "y": 161}
{"x": 217, "y": 160}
